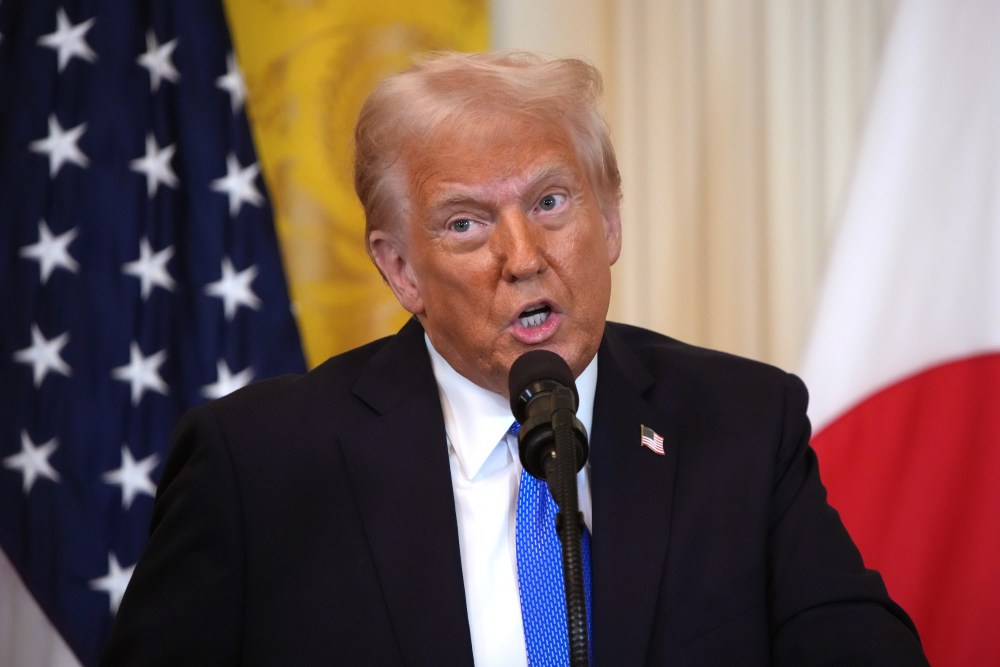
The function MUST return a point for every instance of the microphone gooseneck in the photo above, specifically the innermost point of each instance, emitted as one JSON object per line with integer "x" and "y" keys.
{"x": 552, "y": 445}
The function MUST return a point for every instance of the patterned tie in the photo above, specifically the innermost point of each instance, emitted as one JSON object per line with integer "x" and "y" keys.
{"x": 540, "y": 573}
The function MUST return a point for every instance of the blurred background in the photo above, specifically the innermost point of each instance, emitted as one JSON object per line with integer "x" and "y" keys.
{"x": 810, "y": 183}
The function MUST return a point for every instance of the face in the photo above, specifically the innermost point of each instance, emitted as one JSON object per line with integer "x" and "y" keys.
{"x": 505, "y": 249}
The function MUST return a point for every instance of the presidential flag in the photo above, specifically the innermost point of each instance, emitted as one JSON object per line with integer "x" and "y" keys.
{"x": 904, "y": 363}
{"x": 139, "y": 276}
{"x": 311, "y": 65}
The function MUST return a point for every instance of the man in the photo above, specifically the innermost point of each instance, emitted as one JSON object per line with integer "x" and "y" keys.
{"x": 365, "y": 513}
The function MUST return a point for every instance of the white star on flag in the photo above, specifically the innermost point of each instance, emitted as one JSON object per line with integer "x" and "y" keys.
{"x": 33, "y": 461}
{"x": 651, "y": 439}
{"x": 238, "y": 184}
{"x": 110, "y": 333}
{"x": 155, "y": 164}
{"x": 226, "y": 383}
{"x": 151, "y": 268}
{"x": 156, "y": 59}
{"x": 233, "y": 83}
{"x": 51, "y": 252}
{"x": 43, "y": 355}
{"x": 60, "y": 146}
{"x": 142, "y": 373}
{"x": 133, "y": 476}
{"x": 234, "y": 288}
{"x": 113, "y": 583}
{"x": 69, "y": 40}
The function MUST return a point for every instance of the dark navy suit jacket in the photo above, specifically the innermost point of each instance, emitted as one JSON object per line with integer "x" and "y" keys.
{"x": 309, "y": 520}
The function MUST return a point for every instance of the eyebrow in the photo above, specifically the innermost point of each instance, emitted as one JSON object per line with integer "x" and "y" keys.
{"x": 532, "y": 178}
{"x": 453, "y": 199}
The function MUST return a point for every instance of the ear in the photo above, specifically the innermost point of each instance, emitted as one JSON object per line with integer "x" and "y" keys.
{"x": 613, "y": 232}
{"x": 389, "y": 253}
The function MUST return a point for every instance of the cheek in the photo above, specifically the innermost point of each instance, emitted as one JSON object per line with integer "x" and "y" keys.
{"x": 454, "y": 287}
{"x": 587, "y": 254}
{"x": 591, "y": 277}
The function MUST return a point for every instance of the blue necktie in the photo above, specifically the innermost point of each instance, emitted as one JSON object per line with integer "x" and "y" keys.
{"x": 540, "y": 573}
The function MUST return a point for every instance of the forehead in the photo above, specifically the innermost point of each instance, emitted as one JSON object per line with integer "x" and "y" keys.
{"x": 496, "y": 159}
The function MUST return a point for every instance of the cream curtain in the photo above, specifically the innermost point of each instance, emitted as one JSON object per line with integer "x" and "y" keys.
{"x": 736, "y": 123}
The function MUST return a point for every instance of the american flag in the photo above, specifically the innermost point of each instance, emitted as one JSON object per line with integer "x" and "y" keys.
{"x": 139, "y": 275}
{"x": 651, "y": 439}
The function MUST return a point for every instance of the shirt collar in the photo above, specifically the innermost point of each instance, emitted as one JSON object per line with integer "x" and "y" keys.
{"x": 476, "y": 419}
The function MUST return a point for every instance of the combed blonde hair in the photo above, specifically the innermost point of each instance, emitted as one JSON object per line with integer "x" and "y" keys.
{"x": 464, "y": 91}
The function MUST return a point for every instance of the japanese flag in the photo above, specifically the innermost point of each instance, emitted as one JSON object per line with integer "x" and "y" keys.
{"x": 904, "y": 360}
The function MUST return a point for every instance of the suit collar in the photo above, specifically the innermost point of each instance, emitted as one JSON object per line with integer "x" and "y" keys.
{"x": 396, "y": 371}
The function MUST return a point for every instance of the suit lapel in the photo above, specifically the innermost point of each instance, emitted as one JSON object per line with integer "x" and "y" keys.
{"x": 632, "y": 489}
{"x": 398, "y": 463}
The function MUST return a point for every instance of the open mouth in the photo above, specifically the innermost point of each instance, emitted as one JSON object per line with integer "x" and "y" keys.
{"x": 535, "y": 316}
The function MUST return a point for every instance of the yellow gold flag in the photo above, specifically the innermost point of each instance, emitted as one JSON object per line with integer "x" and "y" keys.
{"x": 309, "y": 64}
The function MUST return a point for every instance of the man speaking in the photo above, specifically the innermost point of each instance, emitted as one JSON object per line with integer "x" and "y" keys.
{"x": 374, "y": 510}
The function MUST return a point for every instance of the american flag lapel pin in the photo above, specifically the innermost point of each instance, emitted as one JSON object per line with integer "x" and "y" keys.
{"x": 652, "y": 440}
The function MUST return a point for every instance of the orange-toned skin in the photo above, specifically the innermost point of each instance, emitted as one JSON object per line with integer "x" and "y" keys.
{"x": 500, "y": 222}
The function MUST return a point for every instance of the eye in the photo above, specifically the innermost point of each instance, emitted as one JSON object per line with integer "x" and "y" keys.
{"x": 551, "y": 201}
{"x": 461, "y": 226}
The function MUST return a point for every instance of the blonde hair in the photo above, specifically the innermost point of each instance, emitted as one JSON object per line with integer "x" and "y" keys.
{"x": 464, "y": 91}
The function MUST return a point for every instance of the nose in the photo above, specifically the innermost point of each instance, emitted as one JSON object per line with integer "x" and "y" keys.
{"x": 520, "y": 247}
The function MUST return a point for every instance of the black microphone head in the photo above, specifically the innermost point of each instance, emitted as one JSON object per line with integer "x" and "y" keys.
{"x": 532, "y": 372}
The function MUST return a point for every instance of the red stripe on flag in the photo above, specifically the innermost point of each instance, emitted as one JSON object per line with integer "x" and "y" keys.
{"x": 915, "y": 472}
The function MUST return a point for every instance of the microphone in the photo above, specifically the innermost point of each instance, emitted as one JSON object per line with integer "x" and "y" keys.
{"x": 552, "y": 446}
{"x": 544, "y": 399}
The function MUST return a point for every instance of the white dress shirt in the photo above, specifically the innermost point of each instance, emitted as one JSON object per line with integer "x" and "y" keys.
{"x": 485, "y": 471}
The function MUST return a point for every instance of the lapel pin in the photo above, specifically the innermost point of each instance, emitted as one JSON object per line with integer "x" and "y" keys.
{"x": 652, "y": 440}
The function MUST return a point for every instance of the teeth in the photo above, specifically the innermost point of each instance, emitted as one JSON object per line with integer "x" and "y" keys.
{"x": 535, "y": 318}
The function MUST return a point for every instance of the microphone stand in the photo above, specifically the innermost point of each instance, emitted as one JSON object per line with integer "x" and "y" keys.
{"x": 560, "y": 473}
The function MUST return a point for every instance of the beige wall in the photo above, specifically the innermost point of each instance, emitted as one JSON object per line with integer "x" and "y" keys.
{"x": 736, "y": 123}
